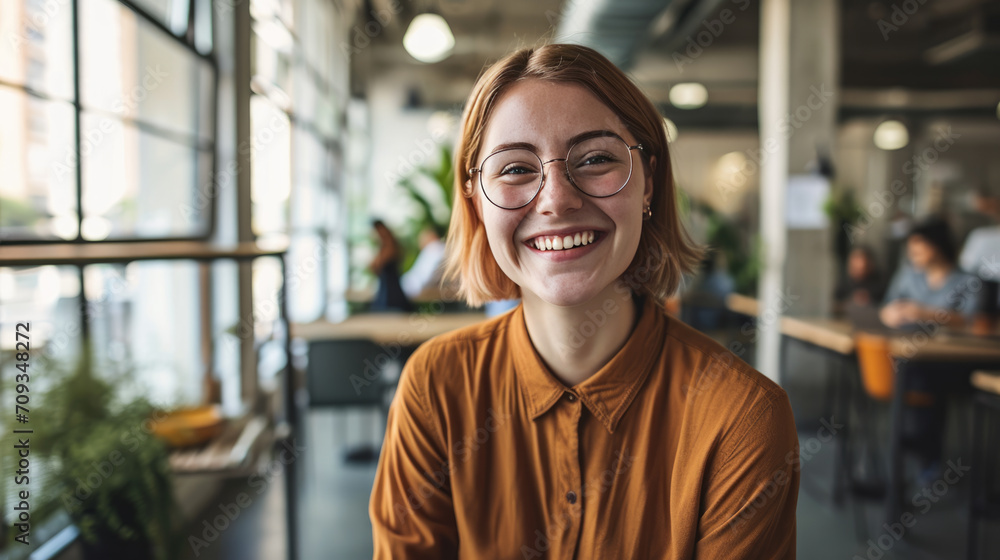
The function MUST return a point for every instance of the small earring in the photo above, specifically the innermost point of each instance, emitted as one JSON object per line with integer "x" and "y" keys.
{"x": 647, "y": 212}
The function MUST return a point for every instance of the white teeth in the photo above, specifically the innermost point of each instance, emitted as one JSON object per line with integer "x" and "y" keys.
{"x": 566, "y": 242}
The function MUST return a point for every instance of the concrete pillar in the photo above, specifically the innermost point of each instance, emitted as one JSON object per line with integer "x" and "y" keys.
{"x": 799, "y": 63}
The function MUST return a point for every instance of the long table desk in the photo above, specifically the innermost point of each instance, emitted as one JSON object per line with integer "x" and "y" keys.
{"x": 405, "y": 329}
{"x": 949, "y": 349}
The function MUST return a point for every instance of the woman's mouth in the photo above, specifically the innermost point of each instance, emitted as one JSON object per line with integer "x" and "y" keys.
{"x": 563, "y": 242}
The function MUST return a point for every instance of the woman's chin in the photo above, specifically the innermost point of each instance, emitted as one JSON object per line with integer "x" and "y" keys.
{"x": 562, "y": 296}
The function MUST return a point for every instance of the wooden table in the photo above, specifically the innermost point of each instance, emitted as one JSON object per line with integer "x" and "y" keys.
{"x": 948, "y": 354}
{"x": 405, "y": 329}
{"x": 950, "y": 349}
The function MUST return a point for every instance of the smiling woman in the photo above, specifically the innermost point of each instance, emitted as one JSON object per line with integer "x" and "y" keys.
{"x": 586, "y": 423}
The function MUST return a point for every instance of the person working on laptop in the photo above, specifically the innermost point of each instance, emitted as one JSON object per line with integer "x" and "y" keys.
{"x": 930, "y": 288}
{"x": 930, "y": 292}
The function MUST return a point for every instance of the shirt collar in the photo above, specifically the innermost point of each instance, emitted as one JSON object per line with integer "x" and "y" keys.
{"x": 609, "y": 392}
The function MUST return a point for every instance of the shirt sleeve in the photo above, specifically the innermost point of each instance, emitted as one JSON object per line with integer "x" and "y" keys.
{"x": 972, "y": 252}
{"x": 411, "y": 507}
{"x": 748, "y": 511}
{"x": 896, "y": 287}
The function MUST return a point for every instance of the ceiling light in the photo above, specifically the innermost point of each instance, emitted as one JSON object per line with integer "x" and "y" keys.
{"x": 891, "y": 135}
{"x": 690, "y": 95}
{"x": 429, "y": 39}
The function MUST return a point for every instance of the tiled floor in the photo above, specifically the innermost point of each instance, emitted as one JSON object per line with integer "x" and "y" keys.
{"x": 335, "y": 526}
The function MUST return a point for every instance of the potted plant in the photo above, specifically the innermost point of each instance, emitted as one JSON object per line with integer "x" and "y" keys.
{"x": 843, "y": 210}
{"x": 105, "y": 468}
{"x": 434, "y": 199}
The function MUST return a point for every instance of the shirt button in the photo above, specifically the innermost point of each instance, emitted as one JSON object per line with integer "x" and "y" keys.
{"x": 571, "y": 497}
{"x": 571, "y": 397}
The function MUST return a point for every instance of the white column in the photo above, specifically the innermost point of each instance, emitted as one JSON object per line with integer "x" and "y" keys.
{"x": 775, "y": 23}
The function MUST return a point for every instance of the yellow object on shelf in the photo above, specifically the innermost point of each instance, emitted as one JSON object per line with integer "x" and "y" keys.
{"x": 186, "y": 427}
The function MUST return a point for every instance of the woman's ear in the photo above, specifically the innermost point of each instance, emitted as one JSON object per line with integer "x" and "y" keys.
{"x": 647, "y": 194}
{"x": 470, "y": 193}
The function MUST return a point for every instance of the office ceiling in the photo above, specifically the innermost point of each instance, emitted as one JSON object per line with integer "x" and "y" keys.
{"x": 943, "y": 46}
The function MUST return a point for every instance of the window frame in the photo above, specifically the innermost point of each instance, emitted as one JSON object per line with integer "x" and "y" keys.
{"x": 211, "y": 147}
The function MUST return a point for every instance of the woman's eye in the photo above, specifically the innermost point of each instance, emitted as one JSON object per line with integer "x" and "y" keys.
{"x": 596, "y": 159}
{"x": 515, "y": 170}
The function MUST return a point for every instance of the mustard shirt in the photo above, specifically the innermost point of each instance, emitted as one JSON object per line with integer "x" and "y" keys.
{"x": 675, "y": 449}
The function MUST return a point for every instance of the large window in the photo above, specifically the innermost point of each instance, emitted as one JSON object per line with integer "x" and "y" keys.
{"x": 297, "y": 109}
{"x": 109, "y": 119}
{"x": 110, "y": 133}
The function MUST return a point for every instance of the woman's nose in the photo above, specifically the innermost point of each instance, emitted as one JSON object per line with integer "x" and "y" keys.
{"x": 557, "y": 194}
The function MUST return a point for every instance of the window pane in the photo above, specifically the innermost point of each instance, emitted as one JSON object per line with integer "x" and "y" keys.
{"x": 269, "y": 329}
{"x": 37, "y": 46}
{"x": 308, "y": 202}
{"x": 171, "y": 13}
{"x": 131, "y": 69}
{"x": 37, "y": 168}
{"x": 137, "y": 184}
{"x": 272, "y": 45}
{"x": 203, "y": 26}
{"x": 328, "y": 115}
{"x": 306, "y": 267}
{"x": 270, "y": 166}
{"x": 273, "y": 9}
{"x": 226, "y": 366}
{"x": 148, "y": 313}
{"x": 47, "y": 296}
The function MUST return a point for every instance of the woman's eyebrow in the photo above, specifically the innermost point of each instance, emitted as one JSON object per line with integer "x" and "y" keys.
{"x": 573, "y": 140}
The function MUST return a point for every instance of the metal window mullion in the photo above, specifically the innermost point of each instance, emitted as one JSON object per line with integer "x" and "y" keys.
{"x": 146, "y": 16}
{"x": 244, "y": 209}
{"x": 78, "y": 132}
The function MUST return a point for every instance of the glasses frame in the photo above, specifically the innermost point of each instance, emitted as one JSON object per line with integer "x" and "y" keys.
{"x": 542, "y": 164}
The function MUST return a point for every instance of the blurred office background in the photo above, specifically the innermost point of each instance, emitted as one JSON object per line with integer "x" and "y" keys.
{"x": 190, "y": 186}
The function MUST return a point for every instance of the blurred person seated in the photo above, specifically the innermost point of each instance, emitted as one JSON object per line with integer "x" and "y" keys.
{"x": 930, "y": 292}
{"x": 981, "y": 256}
{"x": 930, "y": 288}
{"x": 389, "y": 295}
{"x": 862, "y": 283}
{"x": 426, "y": 271}
{"x": 981, "y": 253}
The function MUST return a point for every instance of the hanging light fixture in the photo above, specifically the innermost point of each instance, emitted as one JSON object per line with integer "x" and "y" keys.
{"x": 891, "y": 135}
{"x": 688, "y": 95}
{"x": 428, "y": 38}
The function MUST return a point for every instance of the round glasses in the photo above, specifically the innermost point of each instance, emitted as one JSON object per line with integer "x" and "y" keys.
{"x": 599, "y": 166}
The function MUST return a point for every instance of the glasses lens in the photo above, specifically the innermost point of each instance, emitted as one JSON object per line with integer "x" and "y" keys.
{"x": 600, "y": 166}
{"x": 511, "y": 177}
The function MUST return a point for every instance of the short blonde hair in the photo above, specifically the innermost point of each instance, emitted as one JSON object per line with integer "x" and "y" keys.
{"x": 665, "y": 251}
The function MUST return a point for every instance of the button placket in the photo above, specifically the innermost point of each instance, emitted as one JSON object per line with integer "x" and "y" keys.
{"x": 572, "y": 506}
